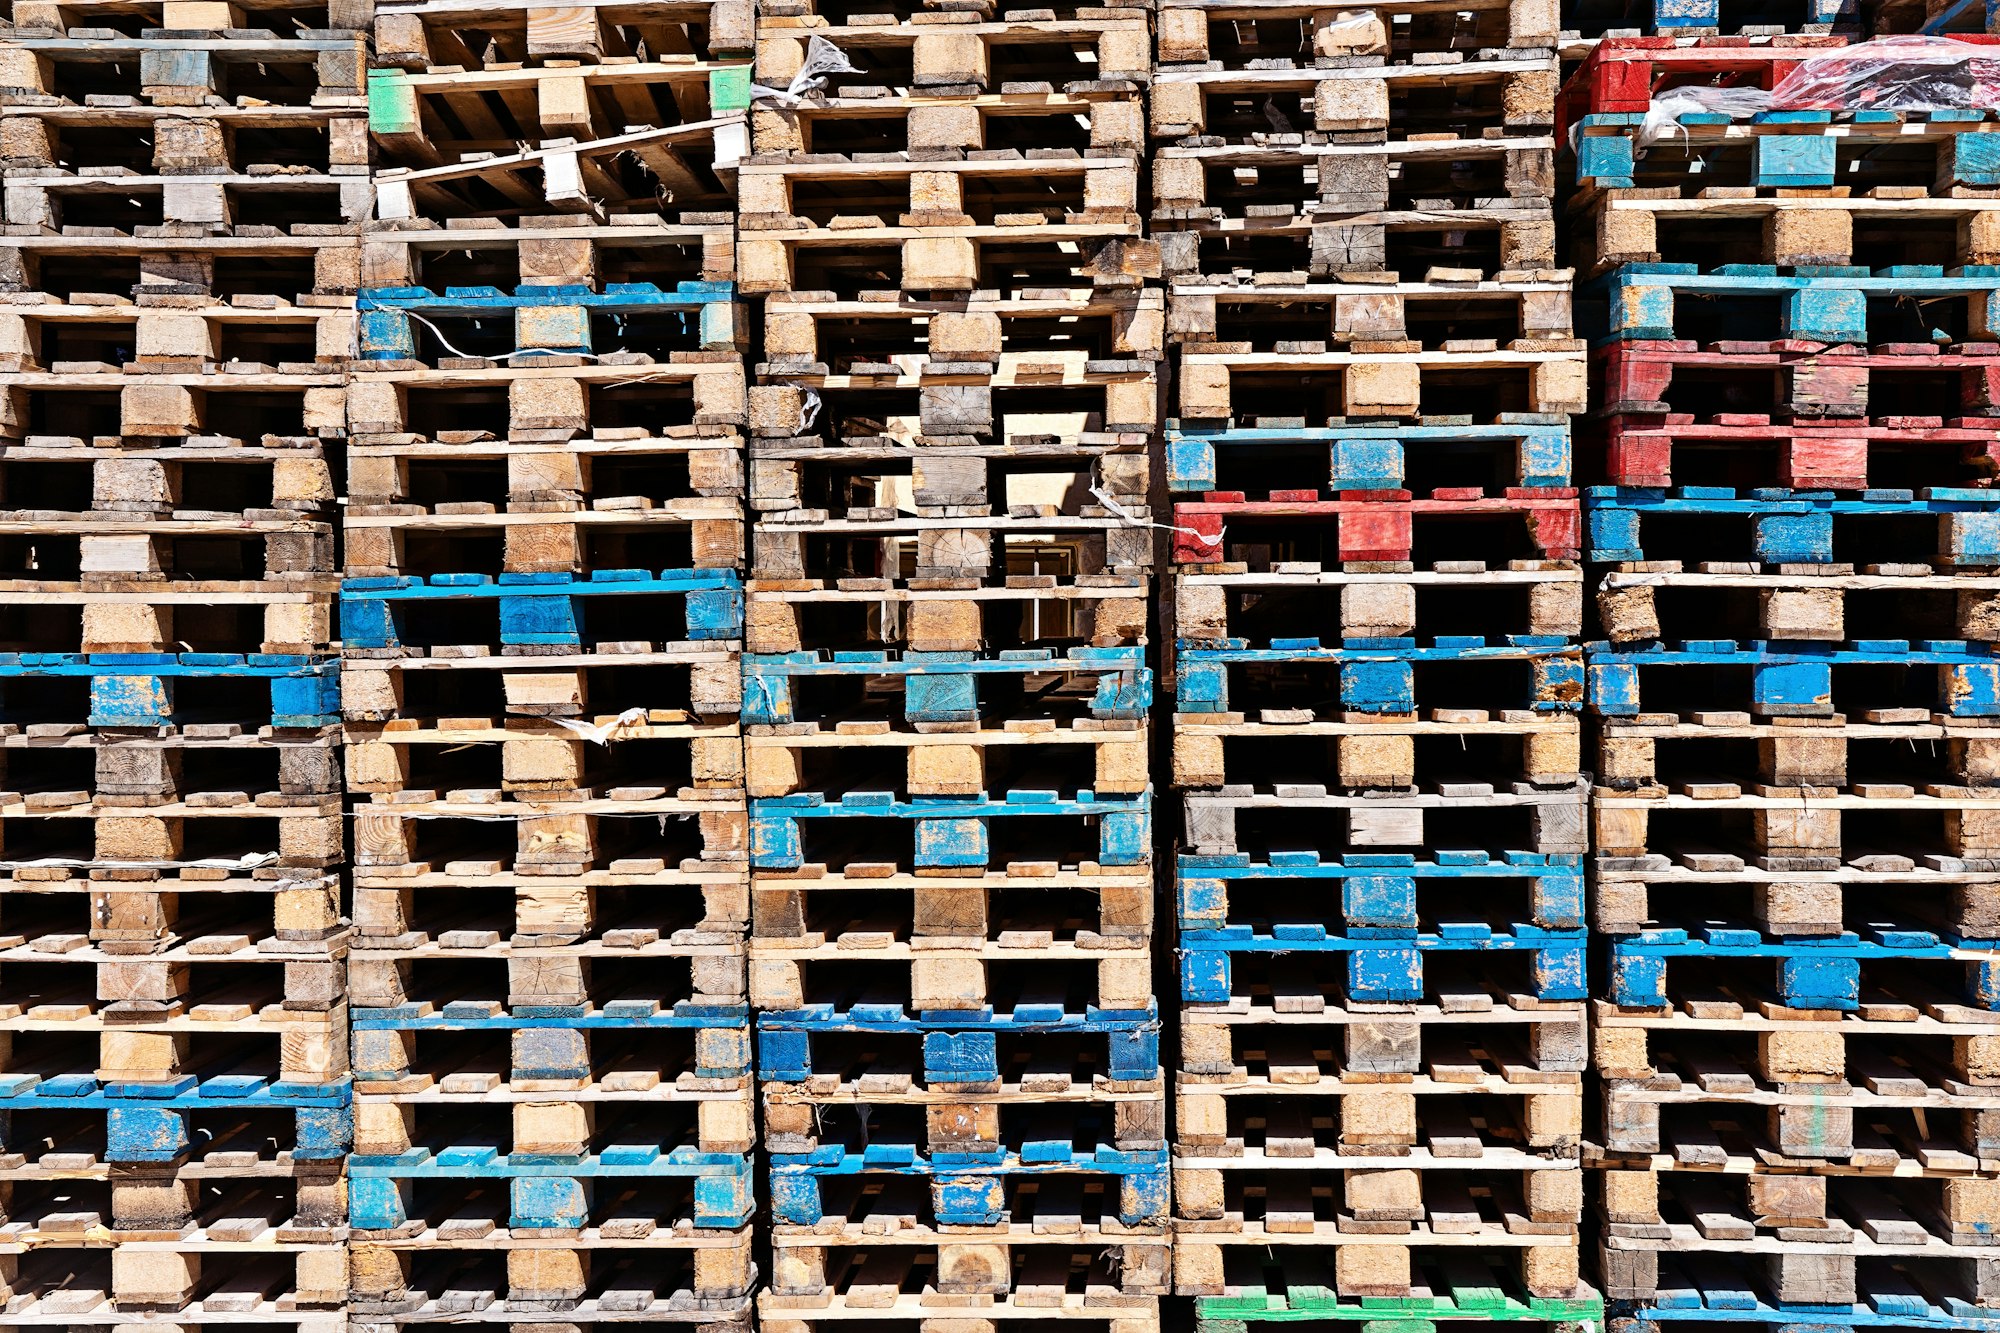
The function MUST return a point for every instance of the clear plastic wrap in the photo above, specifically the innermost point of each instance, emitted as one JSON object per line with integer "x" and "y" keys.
{"x": 1893, "y": 74}
{"x": 1888, "y": 74}
{"x": 822, "y": 58}
{"x": 1663, "y": 115}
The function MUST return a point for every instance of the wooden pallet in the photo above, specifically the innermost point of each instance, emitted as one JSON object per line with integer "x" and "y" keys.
{"x": 1521, "y": 450}
{"x": 1811, "y": 1074}
{"x": 1377, "y": 527}
{"x": 865, "y": 113}
{"x": 299, "y": 1290}
{"x": 1386, "y": 378}
{"x": 1452, "y": 755}
{"x": 1360, "y": 98}
{"x": 803, "y": 621}
{"x": 976, "y": 1124}
{"x": 1293, "y": 1038}
{"x": 542, "y": 837}
{"x": 962, "y": 979}
{"x": 616, "y": 1274}
{"x": 1052, "y": 1262}
{"x": 1950, "y": 891}
{"x": 1291, "y": 1209}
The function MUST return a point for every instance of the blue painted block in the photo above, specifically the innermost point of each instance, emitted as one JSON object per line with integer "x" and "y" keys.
{"x": 1982, "y": 983}
{"x": 774, "y": 841}
{"x": 1640, "y": 311}
{"x": 1383, "y": 973}
{"x": 1793, "y": 539}
{"x": 369, "y": 622}
{"x": 718, "y": 326}
{"x": 795, "y": 1198}
{"x": 1544, "y": 458}
{"x": 1817, "y": 981}
{"x": 385, "y": 334}
{"x": 1556, "y": 900}
{"x": 1614, "y": 688}
{"x": 1791, "y": 689}
{"x": 558, "y": 1202}
{"x": 376, "y": 1203}
{"x": 1190, "y": 463}
{"x": 941, "y": 697}
{"x": 1368, "y": 465}
{"x": 1791, "y": 160}
{"x": 1204, "y": 976}
{"x": 1826, "y": 314}
{"x": 562, "y": 329}
{"x": 1614, "y": 533}
{"x": 1561, "y": 972}
{"x": 1606, "y": 160}
{"x": 1203, "y": 902}
{"x": 1125, "y": 837}
{"x": 131, "y": 701}
{"x": 144, "y": 1134}
{"x": 1378, "y": 687}
{"x": 550, "y": 1053}
{"x": 1973, "y": 538}
{"x": 1200, "y": 687}
{"x": 1135, "y": 1052}
{"x": 977, "y": 1201}
{"x": 544, "y": 619}
{"x": 1142, "y": 1197}
{"x": 1384, "y": 902}
{"x": 784, "y": 1056}
{"x": 1558, "y": 684}
{"x": 961, "y": 1057}
{"x": 305, "y": 701}
{"x": 1975, "y": 159}
{"x": 715, "y": 613}
{"x": 955, "y": 842}
{"x": 323, "y": 1133}
{"x": 1670, "y": 17}
{"x": 1123, "y": 694}
{"x": 1638, "y": 980}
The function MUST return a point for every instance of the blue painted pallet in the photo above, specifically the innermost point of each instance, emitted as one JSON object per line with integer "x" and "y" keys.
{"x": 1792, "y": 526}
{"x": 137, "y": 689}
{"x": 944, "y": 686}
{"x": 1384, "y": 964}
{"x": 1825, "y": 303}
{"x": 552, "y": 1041}
{"x": 1729, "y": 1288}
{"x": 150, "y": 1122}
{"x": 959, "y": 1046}
{"x": 951, "y": 831}
{"x": 538, "y": 609}
{"x": 547, "y": 1190}
{"x": 969, "y": 1189}
{"x": 1379, "y": 675}
{"x": 1796, "y": 679}
{"x": 1607, "y": 150}
{"x": 551, "y": 320}
{"x": 1372, "y": 457}
{"x": 1813, "y": 972}
{"x": 1378, "y": 891}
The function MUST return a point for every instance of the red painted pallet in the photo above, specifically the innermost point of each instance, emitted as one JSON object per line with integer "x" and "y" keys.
{"x": 1799, "y": 378}
{"x": 1813, "y": 454}
{"x": 1376, "y": 525}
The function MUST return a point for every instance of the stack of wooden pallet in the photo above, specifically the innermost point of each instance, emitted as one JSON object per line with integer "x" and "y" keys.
{"x": 946, "y": 687}
{"x": 1796, "y": 825}
{"x": 1377, "y": 678}
{"x": 176, "y": 279}
{"x": 541, "y": 623}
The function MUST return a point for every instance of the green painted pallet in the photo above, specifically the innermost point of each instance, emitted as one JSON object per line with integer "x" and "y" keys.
{"x": 1303, "y": 1303}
